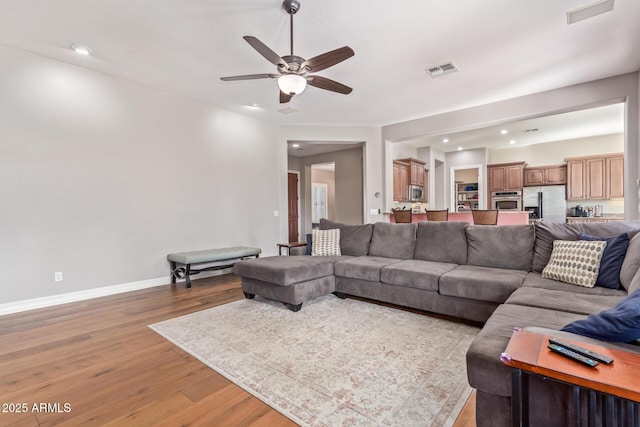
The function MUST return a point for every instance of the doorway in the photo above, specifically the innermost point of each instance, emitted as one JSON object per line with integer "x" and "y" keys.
{"x": 323, "y": 184}
{"x": 293, "y": 203}
{"x": 467, "y": 188}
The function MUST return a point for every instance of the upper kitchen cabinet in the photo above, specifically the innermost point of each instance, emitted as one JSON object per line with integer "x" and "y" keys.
{"x": 614, "y": 169}
{"x": 505, "y": 176}
{"x": 545, "y": 175}
{"x": 416, "y": 175}
{"x": 595, "y": 177}
{"x": 401, "y": 176}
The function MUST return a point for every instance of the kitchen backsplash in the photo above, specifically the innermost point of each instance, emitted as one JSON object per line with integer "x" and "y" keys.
{"x": 608, "y": 206}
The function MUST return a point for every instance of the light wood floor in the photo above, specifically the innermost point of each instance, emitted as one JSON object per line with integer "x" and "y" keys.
{"x": 99, "y": 358}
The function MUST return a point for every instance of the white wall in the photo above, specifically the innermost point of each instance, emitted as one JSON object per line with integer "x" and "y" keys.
{"x": 101, "y": 179}
{"x": 404, "y": 151}
{"x": 554, "y": 153}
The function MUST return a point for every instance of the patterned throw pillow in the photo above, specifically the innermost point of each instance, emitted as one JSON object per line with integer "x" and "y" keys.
{"x": 325, "y": 242}
{"x": 575, "y": 261}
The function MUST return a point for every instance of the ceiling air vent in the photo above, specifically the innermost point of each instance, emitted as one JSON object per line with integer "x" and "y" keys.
{"x": 287, "y": 110}
{"x": 440, "y": 70}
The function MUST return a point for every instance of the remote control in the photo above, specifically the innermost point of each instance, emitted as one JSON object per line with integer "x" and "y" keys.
{"x": 573, "y": 355}
{"x": 583, "y": 351}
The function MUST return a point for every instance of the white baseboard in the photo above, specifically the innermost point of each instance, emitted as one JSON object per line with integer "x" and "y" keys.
{"x": 35, "y": 303}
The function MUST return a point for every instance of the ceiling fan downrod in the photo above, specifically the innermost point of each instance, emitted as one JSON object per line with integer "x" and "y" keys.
{"x": 291, "y": 7}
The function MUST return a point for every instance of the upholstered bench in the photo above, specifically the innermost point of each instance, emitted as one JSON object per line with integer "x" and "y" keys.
{"x": 291, "y": 280}
{"x": 181, "y": 262}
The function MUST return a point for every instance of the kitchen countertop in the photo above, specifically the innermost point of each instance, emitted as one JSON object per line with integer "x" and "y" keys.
{"x": 504, "y": 217}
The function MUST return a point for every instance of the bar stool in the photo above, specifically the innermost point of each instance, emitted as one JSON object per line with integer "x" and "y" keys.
{"x": 439, "y": 215}
{"x": 402, "y": 216}
{"x": 485, "y": 216}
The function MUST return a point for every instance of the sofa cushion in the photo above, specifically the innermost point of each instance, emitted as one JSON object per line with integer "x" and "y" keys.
{"x": 286, "y": 270}
{"x": 571, "y": 302}
{"x": 364, "y": 267}
{"x": 354, "y": 239}
{"x": 485, "y": 371}
{"x": 547, "y": 232}
{"x": 575, "y": 261}
{"x": 415, "y": 273}
{"x": 635, "y": 283}
{"x": 535, "y": 280}
{"x": 393, "y": 240}
{"x": 481, "y": 283}
{"x": 618, "y": 324}
{"x": 612, "y": 259}
{"x": 441, "y": 242}
{"x": 506, "y": 246}
{"x": 631, "y": 263}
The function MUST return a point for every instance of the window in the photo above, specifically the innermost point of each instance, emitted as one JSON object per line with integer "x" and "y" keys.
{"x": 318, "y": 201}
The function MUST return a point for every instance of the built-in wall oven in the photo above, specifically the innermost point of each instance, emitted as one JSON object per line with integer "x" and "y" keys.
{"x": 506, "y": 200}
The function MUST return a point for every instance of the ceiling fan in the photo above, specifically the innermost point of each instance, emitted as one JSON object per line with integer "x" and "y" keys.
{"x": 293, "y": 71}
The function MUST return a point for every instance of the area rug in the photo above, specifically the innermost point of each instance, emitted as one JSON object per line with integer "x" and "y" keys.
{"x": 336, "y": 362}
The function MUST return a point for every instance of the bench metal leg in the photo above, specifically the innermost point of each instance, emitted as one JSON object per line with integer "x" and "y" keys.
{"x": 186, "y": 275}
{"x": 173, "y": 274}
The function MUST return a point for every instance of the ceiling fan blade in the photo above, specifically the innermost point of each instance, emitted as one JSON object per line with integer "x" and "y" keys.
{"x": 265, "y": 51}
{"x": 285, "y": 97}
{"x": 249, "y": 77}
{"x": 326, "y": 60}
{"x": 328, "y": 84}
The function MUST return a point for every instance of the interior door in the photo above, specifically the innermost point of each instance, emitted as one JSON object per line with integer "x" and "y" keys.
{"x": 292, "y": 186}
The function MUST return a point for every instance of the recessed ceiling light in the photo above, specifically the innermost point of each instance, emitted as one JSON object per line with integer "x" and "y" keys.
{"x": 504, "y": 132}
{"x": 513, "y": 141}
{"x": 295, "y": 145}
{"x": 445, "y": 140}
{"x": 253, "y": 105}
{"x": 459, "y": 148}
{"x": 80, "y": 49}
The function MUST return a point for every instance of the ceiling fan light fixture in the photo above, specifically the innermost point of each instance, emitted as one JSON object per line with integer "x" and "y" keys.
{"x": 292, "y": 84}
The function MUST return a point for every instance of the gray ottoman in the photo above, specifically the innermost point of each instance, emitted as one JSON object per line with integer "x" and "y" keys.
{"x": 289, "y": 279}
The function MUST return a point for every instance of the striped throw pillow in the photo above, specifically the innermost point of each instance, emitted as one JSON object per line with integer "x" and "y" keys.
{"x": 325, "y": 242}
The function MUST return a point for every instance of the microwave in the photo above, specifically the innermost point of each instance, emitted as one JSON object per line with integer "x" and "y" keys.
{"x": 416, "y": 193}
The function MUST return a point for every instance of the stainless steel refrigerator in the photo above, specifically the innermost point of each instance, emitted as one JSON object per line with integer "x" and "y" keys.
{"x": 549, "y": 203}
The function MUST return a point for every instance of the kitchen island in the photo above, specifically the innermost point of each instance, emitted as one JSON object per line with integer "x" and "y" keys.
{"x": 504, "y": 217}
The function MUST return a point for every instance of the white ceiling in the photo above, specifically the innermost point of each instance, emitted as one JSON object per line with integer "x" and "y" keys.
{"x": 503, "y": 49}
{"x": 586, "y": 123}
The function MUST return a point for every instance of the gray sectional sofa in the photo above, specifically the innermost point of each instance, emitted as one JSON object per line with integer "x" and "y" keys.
{"x": 487, "y": 274}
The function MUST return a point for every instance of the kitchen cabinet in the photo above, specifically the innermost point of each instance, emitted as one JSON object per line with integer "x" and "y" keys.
{"x": 416, "y": 171}
{"x": 614, "y": 178}
{"x": 401, "y": 176}
{"x": 545, "y": 175}
{"x": 595, "y": 177}
{"x": 505, "y": 176}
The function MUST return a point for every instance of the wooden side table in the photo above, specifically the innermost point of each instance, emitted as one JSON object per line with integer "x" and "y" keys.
{"x": 617, "y": 384}
{"x": 289, "y": 246}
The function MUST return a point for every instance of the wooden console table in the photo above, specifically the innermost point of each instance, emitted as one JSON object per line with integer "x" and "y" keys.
{"x": 290, "y": 245}
{"x": 618, "y": 384}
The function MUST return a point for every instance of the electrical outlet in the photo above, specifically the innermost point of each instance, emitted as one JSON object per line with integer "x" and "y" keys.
{"x": 57, "y": 276}
{"x": 276, "y": 213}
